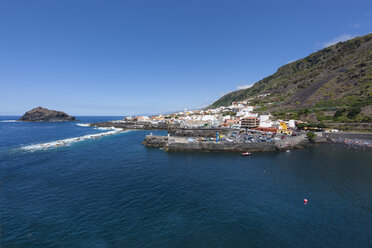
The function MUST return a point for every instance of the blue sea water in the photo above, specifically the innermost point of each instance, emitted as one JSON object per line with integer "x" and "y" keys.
{"x": 115, "y": 192}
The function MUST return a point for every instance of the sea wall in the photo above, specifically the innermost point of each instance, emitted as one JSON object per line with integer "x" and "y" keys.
{"x": 197, "y": 132}
{"x": 172, "y": 128}
{"x": 293, "y": 142}
{"x": 232, "y": 147}
{"x": 180, "y": 144}
{"x": 135, "y": 125}
{"x": 348, "y": 135}
{"x": 156, "y": 141}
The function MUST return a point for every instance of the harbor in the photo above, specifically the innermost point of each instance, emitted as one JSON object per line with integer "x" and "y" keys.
{"x": 229, "y": 139}
{"x": 239, "y": 127}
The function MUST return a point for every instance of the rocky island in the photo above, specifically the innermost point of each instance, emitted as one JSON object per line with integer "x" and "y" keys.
{"x": 41, "y": 114}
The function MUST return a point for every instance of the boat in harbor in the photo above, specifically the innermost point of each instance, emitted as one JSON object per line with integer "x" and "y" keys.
{"x": 246, "y": 154}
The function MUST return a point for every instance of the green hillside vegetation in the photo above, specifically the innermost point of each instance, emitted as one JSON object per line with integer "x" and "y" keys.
{"x": 332, "y": 85}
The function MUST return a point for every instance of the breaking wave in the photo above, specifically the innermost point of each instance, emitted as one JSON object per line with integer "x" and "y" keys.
{"x": 9, "y": 121}
{"x": 69, "y": 141}
{"x": 83, "y": 124}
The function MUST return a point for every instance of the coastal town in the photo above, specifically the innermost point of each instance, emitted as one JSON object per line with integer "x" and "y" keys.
{"x": 238, "y": 128}
{"x": 238, "y": 116}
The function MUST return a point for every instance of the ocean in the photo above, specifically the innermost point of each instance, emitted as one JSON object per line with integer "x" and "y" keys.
{"x": 111, "y": 191}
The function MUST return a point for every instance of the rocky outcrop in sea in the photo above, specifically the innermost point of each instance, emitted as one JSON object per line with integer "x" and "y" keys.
{"x": 41, "y": 114}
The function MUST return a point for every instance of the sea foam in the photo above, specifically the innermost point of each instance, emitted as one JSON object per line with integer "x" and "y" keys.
{"x": 83, "y": 124}
{"x": 9, "y": 121}
{"x": 69, "y": 141}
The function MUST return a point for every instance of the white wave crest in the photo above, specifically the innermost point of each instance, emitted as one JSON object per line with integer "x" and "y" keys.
{"x": 104, "y": 128}
{"x": 9, "y": 121}
{"x": 69, "y": 141}
{"x": 83, "y": 124}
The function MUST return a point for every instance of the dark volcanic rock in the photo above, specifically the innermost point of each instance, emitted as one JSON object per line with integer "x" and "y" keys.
{"x": 43, "y": 114}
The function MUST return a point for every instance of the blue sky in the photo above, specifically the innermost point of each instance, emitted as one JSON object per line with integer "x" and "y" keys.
{"x": 130, "y": 57}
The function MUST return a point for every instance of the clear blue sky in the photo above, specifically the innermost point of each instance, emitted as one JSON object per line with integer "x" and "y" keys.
{"x": 127, "y": 57}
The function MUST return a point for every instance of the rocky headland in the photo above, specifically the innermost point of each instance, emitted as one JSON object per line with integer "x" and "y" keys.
{"x": 41, "y": 114}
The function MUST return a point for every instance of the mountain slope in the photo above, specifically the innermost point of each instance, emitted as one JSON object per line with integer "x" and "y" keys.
{"x": 337, "y": 76}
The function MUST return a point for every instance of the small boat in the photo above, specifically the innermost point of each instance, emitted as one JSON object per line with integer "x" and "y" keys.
{"x": 246, "y": 154}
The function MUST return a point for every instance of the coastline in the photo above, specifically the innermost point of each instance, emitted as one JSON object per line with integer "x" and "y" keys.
{"x": 191, "y": 139}
{"x": 177, "y": 139}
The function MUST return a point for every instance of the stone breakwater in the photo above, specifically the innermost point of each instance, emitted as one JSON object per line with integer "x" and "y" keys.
{"x": 200, "y": 132}
{"x": 136, "y": 125}
{"x": 173, "y": 129}
{"x": 177, "y": 143}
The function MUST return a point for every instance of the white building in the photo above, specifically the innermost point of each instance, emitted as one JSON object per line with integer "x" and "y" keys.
{"x": 215, "y": 123}
{"x": 265, "y": 121}
{"x": 227, "y": 117}
{"x": 246, "y": 112}
{"x": 265, "y": 117}
{"x": 208, "y": 118}
{"x": 291, "y": 124}
{"x": 143, "y": 118}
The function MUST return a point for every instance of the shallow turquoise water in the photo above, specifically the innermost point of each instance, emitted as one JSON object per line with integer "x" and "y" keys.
{"x": 114, "y": 192}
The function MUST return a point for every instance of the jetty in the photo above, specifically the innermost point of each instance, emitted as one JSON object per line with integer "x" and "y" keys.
{"x": 135, "y": 125}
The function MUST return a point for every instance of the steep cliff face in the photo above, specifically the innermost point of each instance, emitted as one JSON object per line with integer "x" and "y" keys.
{"x": 339, "y": 75}
{"x": 42, "y": 114}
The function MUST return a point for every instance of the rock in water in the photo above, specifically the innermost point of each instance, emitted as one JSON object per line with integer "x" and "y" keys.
{"x": 43, "y": 114}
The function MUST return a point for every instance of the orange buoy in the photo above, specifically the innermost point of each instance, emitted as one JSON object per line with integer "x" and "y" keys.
{"x": 305, "y": 201}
